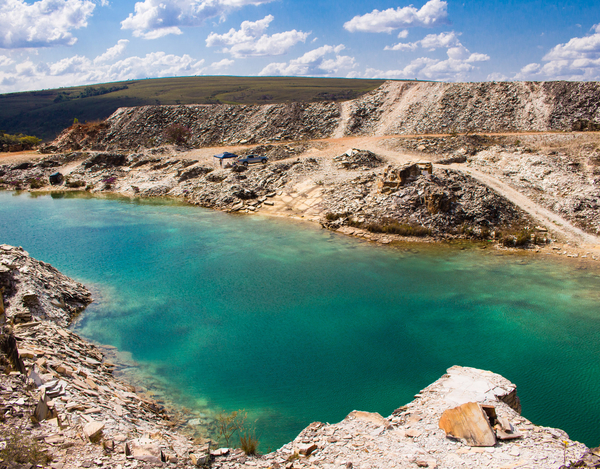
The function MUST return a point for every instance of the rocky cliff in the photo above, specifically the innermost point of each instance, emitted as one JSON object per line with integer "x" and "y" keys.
{"x": 394, "y": 108}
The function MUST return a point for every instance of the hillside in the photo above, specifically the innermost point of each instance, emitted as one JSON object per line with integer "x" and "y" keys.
{"x": 45, "y": 113}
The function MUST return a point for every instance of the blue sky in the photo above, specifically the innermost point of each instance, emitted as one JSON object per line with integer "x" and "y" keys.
{"x": 53, "y": 43}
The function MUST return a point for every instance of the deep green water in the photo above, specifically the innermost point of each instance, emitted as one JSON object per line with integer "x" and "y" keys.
{"x": 296, "y": 324}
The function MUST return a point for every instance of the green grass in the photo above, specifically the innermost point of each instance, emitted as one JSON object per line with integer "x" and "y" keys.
{"x": 46, "y": 113}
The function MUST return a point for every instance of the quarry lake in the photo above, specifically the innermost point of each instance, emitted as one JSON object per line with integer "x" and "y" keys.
{"x": 295, "y": 324}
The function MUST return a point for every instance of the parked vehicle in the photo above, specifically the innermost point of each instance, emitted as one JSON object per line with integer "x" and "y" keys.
{"x": 245, "y": 160}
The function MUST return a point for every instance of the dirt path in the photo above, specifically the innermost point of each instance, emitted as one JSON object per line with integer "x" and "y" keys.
{"x": 552, "y": 221}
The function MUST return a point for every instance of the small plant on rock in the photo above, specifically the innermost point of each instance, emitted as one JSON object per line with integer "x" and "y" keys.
{"x": 228, "y": 423}
{"x": 249, "y": 443}
{"x": 177, "y": 133}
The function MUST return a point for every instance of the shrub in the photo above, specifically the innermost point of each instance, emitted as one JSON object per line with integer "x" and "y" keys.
{"x": 28, "y": 141}
{"x": 228, "y": 423}
{"x": 331, "y": 216}
{"x": 177, "y": 133}
{"x": 394, "y": 227}
{"x": 35, "y": 183}
{"x": 249, "y": 443}
{"x": 74, "y": 184}
{"x": 22, "y": 449}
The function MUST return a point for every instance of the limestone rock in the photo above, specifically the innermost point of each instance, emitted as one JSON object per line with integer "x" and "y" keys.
{"x": 93, "y": 430}
{"x": 468, "y": 422}
{"x": 144, "y": 449}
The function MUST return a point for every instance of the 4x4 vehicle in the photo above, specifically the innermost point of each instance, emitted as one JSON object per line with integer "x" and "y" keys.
{"x": 251, "y": 159}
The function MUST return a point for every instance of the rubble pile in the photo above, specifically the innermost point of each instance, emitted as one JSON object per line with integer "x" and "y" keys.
{"x": 446, "y": 147}
{"x": 394, "y": 108}
{"x": 411, "y": 437}
{"x": 208, "y": 125}
{"x": 560, "y": 177}
{"x": 358, "y": 159}
{"x": 278, "y": 152}
{"x": 443, "y": 108}
{"x": 445, "y": 202}
{"x": 63, "y": 393}
{"x": 33, "y": 289}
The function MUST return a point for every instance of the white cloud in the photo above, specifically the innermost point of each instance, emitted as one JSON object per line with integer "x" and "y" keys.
{"x": 431, "y": 42}
{"x": 323, "y": 61}
{"x": 156, "y": 18}
{"x": 5, "y": 61}
{"x": 433, "y": 13}
{"x": 497, "y": 77}
{"x": 80, "y": 70}
{"x": 459, "y": 60}
{"x": 403, "y": 34}
{"x": 455, "y": 68}
{"x": 43, "y": 23}
{"x": 112, "y": 52}
{"x": 250, "y": 40}
{"x": 577, "y": 59}
{"x": 222, "y": 64}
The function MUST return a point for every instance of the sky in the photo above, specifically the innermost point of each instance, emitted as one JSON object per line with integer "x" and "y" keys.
{"x": 56, "y": 43}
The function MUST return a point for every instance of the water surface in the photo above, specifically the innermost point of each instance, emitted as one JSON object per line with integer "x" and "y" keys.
{"x": 296, "y": 324}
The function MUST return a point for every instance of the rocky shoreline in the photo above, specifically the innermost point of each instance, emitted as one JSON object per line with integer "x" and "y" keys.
{"x": 358, "y": 192}
{"x": 67, "y": 403}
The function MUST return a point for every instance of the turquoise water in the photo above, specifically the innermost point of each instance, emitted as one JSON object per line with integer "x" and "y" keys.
{"x": 296, "y": 324}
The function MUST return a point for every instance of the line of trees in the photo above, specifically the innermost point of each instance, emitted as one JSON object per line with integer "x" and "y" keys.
{"x": 88, "y": 92}
{"x": 17, "y": 142}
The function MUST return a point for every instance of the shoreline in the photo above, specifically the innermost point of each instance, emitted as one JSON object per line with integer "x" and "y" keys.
{"x": 557, "y": 250}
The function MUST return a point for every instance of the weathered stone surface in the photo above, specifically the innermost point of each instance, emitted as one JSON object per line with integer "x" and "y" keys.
{"x": 144, "y": 449}
{"x": 93, "y": 430}
{"x": 468, "y": 422}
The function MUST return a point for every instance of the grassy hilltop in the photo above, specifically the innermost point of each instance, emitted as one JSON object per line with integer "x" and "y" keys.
{"x": 46, "y": 113}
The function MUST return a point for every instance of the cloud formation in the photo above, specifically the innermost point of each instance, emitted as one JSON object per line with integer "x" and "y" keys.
{"x": 455, "y": 68}
{"x": 251, "y": 41}
{"x": 43, "y": 23}
{"x": 430, "y": 42}
{"x": 433, "y": 13}
{"x": 323, "y": 61}
{"x": 157, "y": 18}
{"x": 460, "y": 60}
{"x": 80, "y": 70}
{"x": 578, "y": 59}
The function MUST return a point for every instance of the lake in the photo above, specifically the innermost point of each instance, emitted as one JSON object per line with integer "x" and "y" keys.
{"x": 295, "y": 324}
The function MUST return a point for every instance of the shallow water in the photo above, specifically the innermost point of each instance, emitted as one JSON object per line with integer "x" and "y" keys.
{"x": 296, "y": 324}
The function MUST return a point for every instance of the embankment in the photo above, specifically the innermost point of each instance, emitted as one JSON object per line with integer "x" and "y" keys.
{"x": 395, "y": 108}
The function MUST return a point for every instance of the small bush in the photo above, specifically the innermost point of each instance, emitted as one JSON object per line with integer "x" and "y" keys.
{"x": 394, "y": 227}
{"x": 177, "y": 133}
{"x": 35, "y": 183}
{"x": 331, "y": 216}
{"x": 75, "y": 184}
{"x": 22, "y": 449}
{"x": 228, "y": 423}
{"x": 248, "y": 443}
